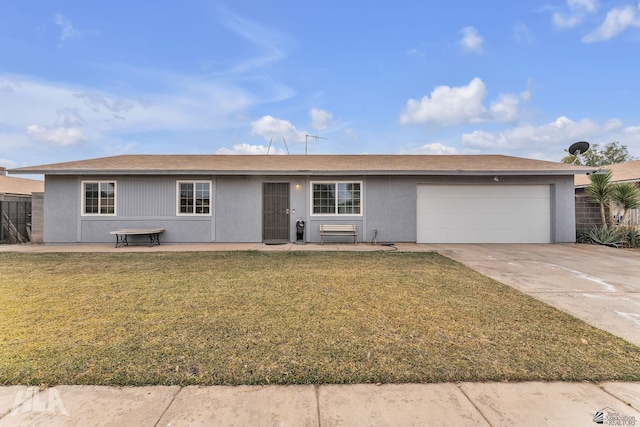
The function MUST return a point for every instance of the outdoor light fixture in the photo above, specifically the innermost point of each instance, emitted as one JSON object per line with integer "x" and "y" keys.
{"x": 297, "y": 185}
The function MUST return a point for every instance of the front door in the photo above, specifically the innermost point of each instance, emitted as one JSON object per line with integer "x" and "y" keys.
{"x": 275, "y": 212}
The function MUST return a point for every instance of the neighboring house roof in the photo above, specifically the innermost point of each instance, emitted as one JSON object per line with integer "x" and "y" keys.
{"x": 366, "y": 164}
{"x": 21, "y": 186}
{"x": 621, "y": 172}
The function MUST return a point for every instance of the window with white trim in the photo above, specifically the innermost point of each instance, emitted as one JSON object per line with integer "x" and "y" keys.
{"x": 98, "y": 197}
{"x": 194, "y": 198}
{"x": 336, "y": 198}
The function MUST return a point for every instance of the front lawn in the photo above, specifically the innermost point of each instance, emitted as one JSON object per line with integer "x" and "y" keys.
{"x": 285, "y": 318}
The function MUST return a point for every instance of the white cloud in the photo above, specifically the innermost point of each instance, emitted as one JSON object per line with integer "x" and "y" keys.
{"x": 578, "y": 10}
{"x": 590, "y": 6}
{"x": 522, "y": 33}
{"x": 60, "y": 136}
{"x": 630, "y": 136}
{"x": 8, "y": 164}
{"x": 505, "y": 108}
{"x": 67, "y": 31}
{"x": 184, "y": 104}
{"x": 351, "y": 134}
{"x": 633, "y": 130}
{"x": 68, "y": 117}
{"x": 448, "y": 105}
{"x": 98, "y": 101}
{"x": 417, "y": 53}
{"x": 457, "y": 105}
{"x": 617, "y": 20}
{"x": 271, "y": 127}
{"x": 433, "y": 148}
{"x": 272, "y": 45}
{"x": 245, "y": 148}
{"x": 557, "y": 134}
{"x": 320, "y": 119}
{"x": 562, "y": 22}
{"x": 613, "y": 124}
{"x": 471, "y": 41}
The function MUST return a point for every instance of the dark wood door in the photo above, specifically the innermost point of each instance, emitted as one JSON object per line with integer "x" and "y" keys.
{"x": 275, "y": 212}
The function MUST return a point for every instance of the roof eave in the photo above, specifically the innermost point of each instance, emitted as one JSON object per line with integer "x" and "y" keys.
{"x": 101, "y": 172}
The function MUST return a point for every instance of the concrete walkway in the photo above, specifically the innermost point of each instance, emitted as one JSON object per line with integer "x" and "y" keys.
{"x": 465, "y": 404}
{"x": 208, "y": 247}
{"x": 574, "y": 278}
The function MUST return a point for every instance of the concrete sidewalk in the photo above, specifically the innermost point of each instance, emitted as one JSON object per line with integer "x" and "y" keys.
{"x": 464, "y": 404}
{"x": 209, "y": 247}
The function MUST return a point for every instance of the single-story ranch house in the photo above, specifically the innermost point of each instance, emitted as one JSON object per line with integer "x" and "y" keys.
{"x": 254, "y": 198}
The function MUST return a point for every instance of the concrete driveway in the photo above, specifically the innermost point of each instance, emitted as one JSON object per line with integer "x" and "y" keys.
{"x": 597, "y": 284}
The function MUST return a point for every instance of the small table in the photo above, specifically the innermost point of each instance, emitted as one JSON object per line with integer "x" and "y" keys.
{"x": 122, "y": 235}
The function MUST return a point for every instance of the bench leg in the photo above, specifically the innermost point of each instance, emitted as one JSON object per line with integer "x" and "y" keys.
{"x": 121, "y": 240}
{"x": 154, "y": 239}
{"x": 355, "y": 237}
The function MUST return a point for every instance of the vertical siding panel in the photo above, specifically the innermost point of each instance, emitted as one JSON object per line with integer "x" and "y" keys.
{"x": 146, "y": 197}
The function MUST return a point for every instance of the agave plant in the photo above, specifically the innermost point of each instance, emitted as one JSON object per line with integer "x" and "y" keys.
{"x": 625, "y": 196}
{"x": 607, "y": 236}
{"x": 599, "y": 191}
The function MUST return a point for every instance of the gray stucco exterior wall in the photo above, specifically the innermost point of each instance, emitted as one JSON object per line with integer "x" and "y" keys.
{"x": 237, "y": 209}
{"x": 388, "y": 206}
{"x": 565, "y": 210}
{"x": 37, "y": 217}
{"x": 61, "y": 209}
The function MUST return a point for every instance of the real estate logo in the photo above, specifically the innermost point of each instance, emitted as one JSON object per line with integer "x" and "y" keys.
{"x": 32, "y": 399}
{"x": 608, "y": 416}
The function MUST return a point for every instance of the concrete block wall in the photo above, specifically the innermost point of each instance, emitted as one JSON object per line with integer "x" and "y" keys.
{"x": 37, "y": 218}
{"x": 587, "y": 213}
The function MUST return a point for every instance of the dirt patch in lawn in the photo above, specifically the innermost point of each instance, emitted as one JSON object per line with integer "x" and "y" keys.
{"x": 285, "y": 318}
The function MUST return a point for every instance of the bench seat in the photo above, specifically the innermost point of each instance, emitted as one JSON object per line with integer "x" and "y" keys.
{"x": 338, "y": 230}
{"x": 123, "y": 234}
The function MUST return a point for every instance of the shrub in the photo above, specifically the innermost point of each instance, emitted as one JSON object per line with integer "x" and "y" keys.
{"x": 630, "y": 235}
{"x": 583, "y": 237}
{"x": 606, "y": 236}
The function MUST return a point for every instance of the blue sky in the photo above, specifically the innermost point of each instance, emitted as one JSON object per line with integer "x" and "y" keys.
{"x": 527, "y": 78}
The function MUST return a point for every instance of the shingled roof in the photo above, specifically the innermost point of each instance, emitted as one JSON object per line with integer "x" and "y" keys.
{"x": 366, "y": 164}
{"x": 20, "y": 186}
{"x": 621, "y": 172}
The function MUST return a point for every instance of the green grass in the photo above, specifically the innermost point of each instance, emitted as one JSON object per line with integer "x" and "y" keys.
{"x": 285, "y": 318}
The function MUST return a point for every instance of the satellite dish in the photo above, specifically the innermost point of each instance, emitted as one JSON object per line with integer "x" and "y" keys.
{"x": 576, "y": 149}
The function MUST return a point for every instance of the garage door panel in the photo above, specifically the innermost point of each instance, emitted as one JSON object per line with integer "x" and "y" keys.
{"x": 484, "y": 214}
{"x": 488, "y": 235}
{"x": 479, "y": 203}
{"x": 524, "y": 206}
{"x": 483, "y": 191}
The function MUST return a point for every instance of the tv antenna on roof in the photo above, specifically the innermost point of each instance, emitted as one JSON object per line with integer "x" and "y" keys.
{"x": 285, "y": 145}
{"x": 578, "y": 148}
{"x": 306, "y": 141}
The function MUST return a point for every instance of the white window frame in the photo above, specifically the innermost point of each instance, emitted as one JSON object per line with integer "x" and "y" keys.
{"x": 336, "y": 214}
{"x": 194, "y": 182}
{"x": 83, "y": 197}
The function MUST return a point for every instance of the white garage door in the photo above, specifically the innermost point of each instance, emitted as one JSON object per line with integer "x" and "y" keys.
{"x": 484, "y": 213}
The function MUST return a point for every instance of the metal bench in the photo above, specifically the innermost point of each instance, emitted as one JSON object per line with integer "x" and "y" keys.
{"x": 338, "y": 230}
{"x": 122, "y": 235}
